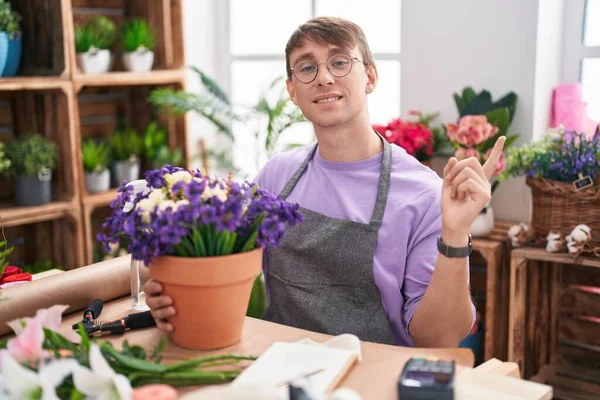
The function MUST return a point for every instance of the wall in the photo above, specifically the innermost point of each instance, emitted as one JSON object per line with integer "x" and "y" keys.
{"x": 489, "y": 44}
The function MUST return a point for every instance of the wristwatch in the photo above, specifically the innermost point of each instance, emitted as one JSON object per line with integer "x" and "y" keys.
{"x": 454, "y": 252}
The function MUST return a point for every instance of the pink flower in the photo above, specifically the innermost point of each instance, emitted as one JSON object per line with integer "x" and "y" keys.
{"x": 501, "y": 163}
{"x": 471, "y": 130}
{"x": 464, "y": 153}
{"x": 49, "y": 318}
{"x": 27, "y": 346}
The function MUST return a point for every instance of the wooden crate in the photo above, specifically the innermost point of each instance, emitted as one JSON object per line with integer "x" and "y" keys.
{"x": 47, "y": 112}
{"x": 548, "y": 336}
{"x": 45, "y": 50}
{"x": 100, "y": 111}
{"x": 489, "y": 287}
{"x": 165, "y": 16}
{"x": 57, "y": 240}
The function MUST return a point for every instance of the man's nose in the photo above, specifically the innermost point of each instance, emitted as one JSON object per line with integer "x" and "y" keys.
{"x": 324, "y": 77}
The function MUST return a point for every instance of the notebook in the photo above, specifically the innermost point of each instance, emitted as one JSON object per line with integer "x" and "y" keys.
{"x": 286, "y": 361}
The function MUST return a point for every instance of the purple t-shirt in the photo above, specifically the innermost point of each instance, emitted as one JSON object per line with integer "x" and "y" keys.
{"x": 406, "y": 250}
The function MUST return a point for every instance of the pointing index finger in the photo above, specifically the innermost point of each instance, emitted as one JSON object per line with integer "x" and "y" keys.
{"x": 492, "y": 162}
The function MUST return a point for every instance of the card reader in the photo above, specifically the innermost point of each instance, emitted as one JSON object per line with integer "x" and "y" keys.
{"x": 427, "y": 379}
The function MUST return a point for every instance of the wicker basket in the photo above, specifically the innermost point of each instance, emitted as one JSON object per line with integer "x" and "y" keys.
{"x": 558, "y": 207}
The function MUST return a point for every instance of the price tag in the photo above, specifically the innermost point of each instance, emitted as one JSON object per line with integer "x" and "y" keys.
{"x": 583, "y": 182}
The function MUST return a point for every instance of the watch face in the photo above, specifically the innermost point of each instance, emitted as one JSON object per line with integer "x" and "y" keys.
{"x": 425, "y": 378}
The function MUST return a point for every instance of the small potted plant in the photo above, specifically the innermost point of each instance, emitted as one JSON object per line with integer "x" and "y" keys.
{"x": 157, "y": 150}
{"x": 92, "y": 44}
{"x": 96, "y": 159}
{"x": 202, "y": 237}
{"x": 32, "y": 159}
{"x": 10, "y": 40}
{"x": 127, "y": 149}
{"x": 4, "y": 160}
{"x": 137, "y": 41}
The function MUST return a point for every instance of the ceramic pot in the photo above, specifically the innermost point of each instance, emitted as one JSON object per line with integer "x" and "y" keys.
{"x": 483, "y": 225}
{"x": 125, "y": 171}
{"x": 210, "y": 294}
{"x": 94, "y": 61}
{"x": 34, "y": 190}
{"x": 13, "y": 57}
{"x": 138, "y": 61}
{"x": 97, "y": 182}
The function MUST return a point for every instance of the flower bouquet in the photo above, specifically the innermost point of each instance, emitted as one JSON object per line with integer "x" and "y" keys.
{"x": 40, "y": 363}
{"x": 203, "y": 239}
{"x": 562, "y": 170}
{"x": 415, "y": 137}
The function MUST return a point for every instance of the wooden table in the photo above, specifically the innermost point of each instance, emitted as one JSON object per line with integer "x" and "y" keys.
{"x": 495, "y": 252}
{"x": 536, "y": 288}
{"x": 374, "y": 377}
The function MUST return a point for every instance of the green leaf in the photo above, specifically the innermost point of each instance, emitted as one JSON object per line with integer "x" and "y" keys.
{"x": 212, "y": 86}
{"x": 85, "y": 339}
{"x": 250, "y": 243}
{"x": 133, "y": 363}
{"x": 499, "y": 117}
{"x": 133, "y": 351}
{"x": 137, "y": 33}
{"x": 76, "y": 395}
{"x": 510, "y": 139}
{"x": 479, "y": 105}
{"x": 460, "y": 103}
{"x": 468, "y": 95}
{"x": 509, "y": 101}
{"x": 3, "y": 344}
{"x": 258, "y": 298}
{"x": 199, "y": 245}
{"x": 189, "y": 246}
{"x": 158, "y": 350}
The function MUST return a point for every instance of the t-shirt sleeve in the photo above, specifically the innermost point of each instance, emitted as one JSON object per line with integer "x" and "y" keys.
{"x": 421, "y": 258}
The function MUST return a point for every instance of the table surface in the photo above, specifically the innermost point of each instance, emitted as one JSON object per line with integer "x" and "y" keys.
{"x": 374, "y": 377}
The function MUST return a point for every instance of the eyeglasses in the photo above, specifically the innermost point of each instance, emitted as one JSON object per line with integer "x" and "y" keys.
{"x": 338, "y": 65}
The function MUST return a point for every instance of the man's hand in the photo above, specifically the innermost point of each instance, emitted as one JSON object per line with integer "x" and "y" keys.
{"x": 160, "y": 305}
{"x": 465, "y": 192}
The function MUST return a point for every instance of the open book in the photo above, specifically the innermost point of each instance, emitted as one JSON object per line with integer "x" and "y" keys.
{"x": 284, "y": 362}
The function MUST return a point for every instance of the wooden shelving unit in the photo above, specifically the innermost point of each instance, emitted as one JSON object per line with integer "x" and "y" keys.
{"x": 50, "y": 94}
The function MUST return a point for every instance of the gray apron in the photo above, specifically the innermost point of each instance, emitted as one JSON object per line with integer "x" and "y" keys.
{"x": 321, "y": 277}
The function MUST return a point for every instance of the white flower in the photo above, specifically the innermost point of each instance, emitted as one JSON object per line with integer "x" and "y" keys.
{"x": 156, "y": 196}
{"x": 555, "y": 242}
{"x": 581, "y": 233}
{"x": 573, "y": 247}
{"x": 557, "y": 132}
{"x": 166, "y": 204}
{"x": 139, "y": 186}
{"x": 24, "y": 383}
{"x": 101, "y": 382}
{"x": 518, "y": 234}
{"x": 183, "y": 202}
{"x": 219, "y": 190}
{"x": 178, "y": 176}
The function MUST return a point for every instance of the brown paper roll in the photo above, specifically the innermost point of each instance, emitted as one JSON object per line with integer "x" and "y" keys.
{"x": 77, "y": 288}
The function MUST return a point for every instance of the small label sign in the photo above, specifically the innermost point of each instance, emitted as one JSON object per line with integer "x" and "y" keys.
{"x": 583, "y": 182}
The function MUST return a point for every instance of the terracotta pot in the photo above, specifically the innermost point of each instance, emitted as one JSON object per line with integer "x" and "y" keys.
{"x": 210, "y": 294}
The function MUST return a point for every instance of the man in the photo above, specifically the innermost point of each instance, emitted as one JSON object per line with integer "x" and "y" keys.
{"x": 366, "y": 260}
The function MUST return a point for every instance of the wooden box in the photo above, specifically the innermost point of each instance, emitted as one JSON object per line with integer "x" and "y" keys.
{"x": 46, "y": 112}
{"x": 165, "y": 16}
{"x": 45, "y": 50}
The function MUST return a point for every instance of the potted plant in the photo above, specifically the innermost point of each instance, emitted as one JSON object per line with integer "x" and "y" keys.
{"x": 96, "y": 159}
{"x": 127, "y": 150}
{"x": 137, "y": 41}
{"x": 203, "y": 239}
{"x": 4, "y": 160}
{"x": 32, "y": 159}
{"x": 10, "y": 40}
{"x": 481, "y": 122}
{"x": 92, "y": 44}
{"x": 157, "y": 150}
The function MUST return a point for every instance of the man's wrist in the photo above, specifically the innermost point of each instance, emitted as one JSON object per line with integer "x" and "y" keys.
{"x": 455, "y": 239}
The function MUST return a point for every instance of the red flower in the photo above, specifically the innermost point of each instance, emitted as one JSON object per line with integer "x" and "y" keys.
{"x": 9, "y": 271}
{"x": 416, "y": 139}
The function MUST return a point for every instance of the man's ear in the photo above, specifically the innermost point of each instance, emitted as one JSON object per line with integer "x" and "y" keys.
{"x": 371, "y": 79}
{"x": 291, "y": 88}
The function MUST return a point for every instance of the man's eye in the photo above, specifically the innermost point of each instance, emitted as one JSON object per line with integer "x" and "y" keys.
{"x": 308, "y": 69}
{"x": 340, "y": 64}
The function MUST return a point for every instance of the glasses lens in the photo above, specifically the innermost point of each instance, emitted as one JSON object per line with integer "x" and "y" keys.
{"x": 339, "y": 64}
{"x": 305, "y": 70}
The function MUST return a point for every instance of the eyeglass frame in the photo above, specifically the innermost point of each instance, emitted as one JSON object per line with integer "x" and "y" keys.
{"x": 325, "y": 62}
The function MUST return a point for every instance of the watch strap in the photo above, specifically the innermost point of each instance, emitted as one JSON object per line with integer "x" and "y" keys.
{"x": 454, "y": 252}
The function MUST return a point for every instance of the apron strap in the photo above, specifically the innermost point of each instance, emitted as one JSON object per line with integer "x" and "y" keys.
{"x": 296, "y": 177}
{"x": 382, "y": 189}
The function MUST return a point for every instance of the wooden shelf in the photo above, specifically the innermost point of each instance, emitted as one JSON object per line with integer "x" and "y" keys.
{"x": 156, "y": 77}
{"x": 99, "y": 200}
{"x": 13, "y": 215}
{"x": 570, "y": 380}
{"x": 33, "y": 83}
{"x": 540, "y": 254}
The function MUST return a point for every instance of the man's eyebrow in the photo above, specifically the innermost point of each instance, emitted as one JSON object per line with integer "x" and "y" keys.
{"x": 311, "y": 56}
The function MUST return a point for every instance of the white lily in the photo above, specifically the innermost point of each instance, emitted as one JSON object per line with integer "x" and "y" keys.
{"x": 101, "y": 382}
{"x": 23, "y": 383}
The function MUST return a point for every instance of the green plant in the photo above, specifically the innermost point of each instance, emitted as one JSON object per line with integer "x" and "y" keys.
{"x": 31, "y": 154}
{"x": 155, "y": 137}
{"x": 98, "y": 34}
{"x": 137, "y": 34}
{"x": 126, "y": 144}
{"x": 4, "y": 253}
{"x": 472, "y": 103}
{"x": 4, "y": 160}
{"x": 168, "y": 156}
{"x": 96, "y": 155}
{"x": 40, "y": 266}
{"x": 9, "y": 20}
